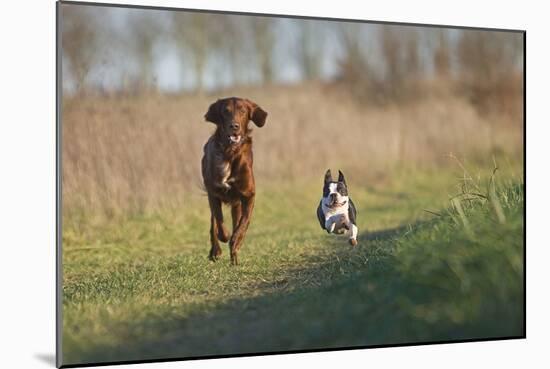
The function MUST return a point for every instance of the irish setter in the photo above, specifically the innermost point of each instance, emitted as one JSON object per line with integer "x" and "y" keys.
{"x": 227, "y": 170}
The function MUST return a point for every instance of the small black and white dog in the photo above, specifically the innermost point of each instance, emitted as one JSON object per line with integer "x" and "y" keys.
{"x": 336, "y": 212}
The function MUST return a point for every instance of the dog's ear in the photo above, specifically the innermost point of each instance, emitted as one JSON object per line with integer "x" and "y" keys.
{"x": 341, "y": 177}
{"x": 256, "y": 114}
{"x": 328, "y": 176}
{"x": 213, "y": 114}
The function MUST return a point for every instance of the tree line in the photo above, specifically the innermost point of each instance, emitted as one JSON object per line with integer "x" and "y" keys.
{"x": 374, "y": 61}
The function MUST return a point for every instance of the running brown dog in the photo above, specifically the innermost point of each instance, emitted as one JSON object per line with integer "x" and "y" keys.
{"x": 227, "y": 170}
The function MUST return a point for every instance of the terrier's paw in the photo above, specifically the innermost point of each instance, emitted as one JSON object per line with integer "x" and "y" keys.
{"x": 353, "y": 241}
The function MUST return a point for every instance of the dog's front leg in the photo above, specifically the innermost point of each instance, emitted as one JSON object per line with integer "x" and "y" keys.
{"x": 247, "y": 205}
{"x": 330, "y": 224}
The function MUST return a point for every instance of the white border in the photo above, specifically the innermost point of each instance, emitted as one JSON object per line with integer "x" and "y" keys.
{"x": 27, "y": 206}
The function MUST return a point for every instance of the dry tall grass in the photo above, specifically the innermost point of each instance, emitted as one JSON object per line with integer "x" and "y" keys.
{"x": 134, "y": 154}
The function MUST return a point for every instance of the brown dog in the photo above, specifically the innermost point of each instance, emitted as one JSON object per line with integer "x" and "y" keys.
{"x": 227, "y": 170}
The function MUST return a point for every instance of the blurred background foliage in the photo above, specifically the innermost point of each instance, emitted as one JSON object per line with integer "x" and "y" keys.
{"x": 129, "y": 51}
{"x": 137, "y": 82}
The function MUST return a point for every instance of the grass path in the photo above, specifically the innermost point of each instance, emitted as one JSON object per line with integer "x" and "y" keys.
{"x": 142, "y": 288}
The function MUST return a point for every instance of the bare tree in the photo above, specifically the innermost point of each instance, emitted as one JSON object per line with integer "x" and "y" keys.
{"x": 232, "y": 48}
{"x": 489, "y": 68}
{"x": 309, "y": 49}
{"x": 191, "y": 39}
{"x": 79, "y": 42}
{"x": 354, "y": 64}
{"x": 441, "y": 55}
{"x": 488, "y": 55}
{"x": 394, "y": 73}
{"x": 400, "y": 55}
{"x": 263, "y": 42}
{"x": 240, "y": 49}
{"x": 146, "y": 30}
{"x": 411, "y": 60}
{"x": 357, "y": 71}
{"x": 198, "y": 36}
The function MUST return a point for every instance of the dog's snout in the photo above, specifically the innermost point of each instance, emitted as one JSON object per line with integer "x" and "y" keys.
{"x": 235, "y": 126}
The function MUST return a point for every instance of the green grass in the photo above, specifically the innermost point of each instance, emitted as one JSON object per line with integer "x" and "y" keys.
{"x": 142, "y": 287}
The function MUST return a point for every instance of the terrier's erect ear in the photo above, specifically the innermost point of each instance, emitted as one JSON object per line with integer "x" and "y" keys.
{"x": 256, "y": 114}
{"x": 341, "y": 177}
{"x": 328, "y": 176}
{"x": 213, "y": 114}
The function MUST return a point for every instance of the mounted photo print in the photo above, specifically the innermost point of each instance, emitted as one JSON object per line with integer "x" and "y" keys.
{"x": 238, "y": 184}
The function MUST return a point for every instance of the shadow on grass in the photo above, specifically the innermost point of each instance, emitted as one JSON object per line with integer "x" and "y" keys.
{"x": 353, "y": 298}
{"x": 392, "y": 233}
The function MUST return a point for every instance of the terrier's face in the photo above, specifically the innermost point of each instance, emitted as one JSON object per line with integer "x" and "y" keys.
{"x": 335, "y": 193}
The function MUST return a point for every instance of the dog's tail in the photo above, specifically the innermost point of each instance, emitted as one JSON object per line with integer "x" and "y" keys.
{"x": 201, "y": 187}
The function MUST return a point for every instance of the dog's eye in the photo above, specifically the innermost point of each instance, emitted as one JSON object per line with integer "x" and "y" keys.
{"x": 342, "y": 189}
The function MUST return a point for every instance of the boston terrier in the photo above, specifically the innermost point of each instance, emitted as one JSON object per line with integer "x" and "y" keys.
{"x": 336, "y": 212}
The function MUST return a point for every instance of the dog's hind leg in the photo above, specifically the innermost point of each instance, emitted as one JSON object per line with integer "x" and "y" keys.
{"x": 236, "y": 214}
{"x": 240, "y": 230}
{"x": 216, "y": 209}
{"x": 353, "y": 234}
{"x": 236, "y": 217}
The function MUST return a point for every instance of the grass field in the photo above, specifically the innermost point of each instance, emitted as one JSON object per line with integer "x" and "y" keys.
{"x": 136, "y": 153}
{"x": 428, "y": 267}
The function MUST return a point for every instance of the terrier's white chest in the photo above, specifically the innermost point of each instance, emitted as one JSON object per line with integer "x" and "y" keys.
{"x": 336, "y": 219}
